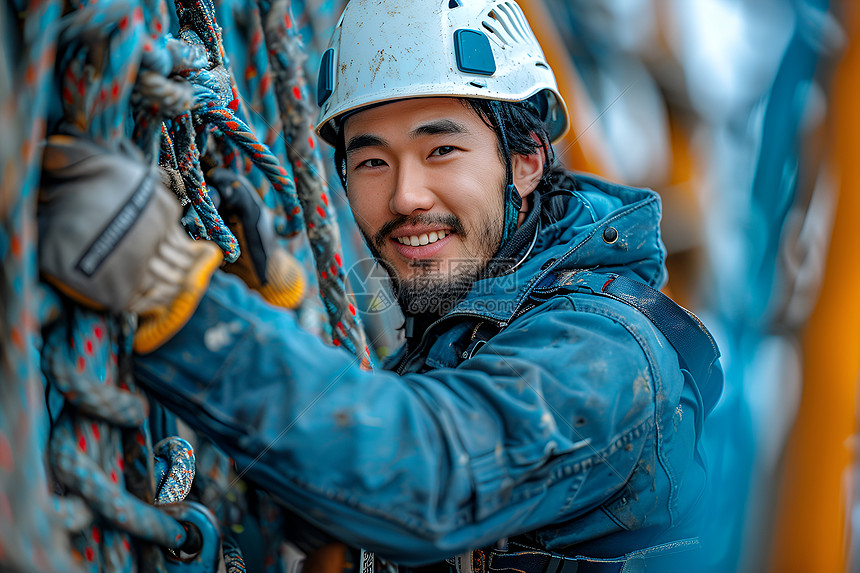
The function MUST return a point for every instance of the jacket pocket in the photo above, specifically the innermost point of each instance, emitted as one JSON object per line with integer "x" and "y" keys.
{"x": 640, "y": 498}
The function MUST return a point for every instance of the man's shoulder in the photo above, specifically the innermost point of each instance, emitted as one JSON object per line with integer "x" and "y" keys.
{"x": 678, "y": 347}
{"x": 579, "y": 295}
{"x": 583, "y": 318}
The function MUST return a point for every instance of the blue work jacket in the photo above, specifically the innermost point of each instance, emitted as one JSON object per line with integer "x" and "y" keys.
{"x": 561, "y": 415}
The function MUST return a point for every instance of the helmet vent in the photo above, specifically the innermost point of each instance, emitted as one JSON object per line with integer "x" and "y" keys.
{"x": 507, "y": 24}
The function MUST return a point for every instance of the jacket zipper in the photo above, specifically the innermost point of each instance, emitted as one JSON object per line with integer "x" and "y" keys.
{"x": 409, "y": 356}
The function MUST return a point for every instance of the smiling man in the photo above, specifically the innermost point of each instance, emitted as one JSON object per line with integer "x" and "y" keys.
{"x": 426, "y": 181}
{"x": 545, "y": 414}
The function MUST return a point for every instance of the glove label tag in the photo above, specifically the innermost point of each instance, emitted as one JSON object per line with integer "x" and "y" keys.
{"x": 116, "y": 229}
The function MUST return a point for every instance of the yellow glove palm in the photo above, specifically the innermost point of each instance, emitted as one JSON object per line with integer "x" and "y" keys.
{"x": 264, "y": 264}
{"x": 174, "y": 281}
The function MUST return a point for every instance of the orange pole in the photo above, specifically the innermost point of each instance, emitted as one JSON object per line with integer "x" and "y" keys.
{"x": 582, "y": 149}
{"x": 810, "y": 533}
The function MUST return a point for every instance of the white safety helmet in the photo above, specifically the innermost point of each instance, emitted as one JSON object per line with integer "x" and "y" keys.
{"x": 400, "y": 49}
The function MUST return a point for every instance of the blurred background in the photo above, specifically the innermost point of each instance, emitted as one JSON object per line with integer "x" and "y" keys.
{"x": 740, "y": 113}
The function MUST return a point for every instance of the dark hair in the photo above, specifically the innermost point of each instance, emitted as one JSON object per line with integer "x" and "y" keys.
{"x": 519, "y": 120}
{"x": 521, "y": 125}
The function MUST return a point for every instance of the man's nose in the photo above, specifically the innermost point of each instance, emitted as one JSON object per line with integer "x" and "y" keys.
{"x": 411, "y": 191}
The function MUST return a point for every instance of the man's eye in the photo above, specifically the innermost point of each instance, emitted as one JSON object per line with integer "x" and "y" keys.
{"x": 375, "y": 162}
{"x": 443, "y": 150}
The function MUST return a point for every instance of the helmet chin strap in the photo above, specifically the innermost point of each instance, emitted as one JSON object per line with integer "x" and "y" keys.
{"x": 513, "y": 201}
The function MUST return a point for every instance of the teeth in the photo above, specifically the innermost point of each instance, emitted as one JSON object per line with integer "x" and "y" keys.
{"x": 422, "y": 239}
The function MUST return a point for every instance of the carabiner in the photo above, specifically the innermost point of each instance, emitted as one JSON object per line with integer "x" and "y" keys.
{"x": 202, "y": 549}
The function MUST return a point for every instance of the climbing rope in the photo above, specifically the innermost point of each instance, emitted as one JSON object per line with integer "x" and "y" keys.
{"x": 121, "y": 75}
{"x": 33, "y": 523}
{"x": 101, "y": 445}
{"x": 215, "y": 105}
{"x": 286, "y": 58}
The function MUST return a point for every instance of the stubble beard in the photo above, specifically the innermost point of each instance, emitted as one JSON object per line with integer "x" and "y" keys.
{"x": 434, "y": 289}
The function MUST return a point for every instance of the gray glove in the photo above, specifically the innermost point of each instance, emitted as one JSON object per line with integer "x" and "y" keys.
{"x": 109, "y": 237}
{"x": 101, "y": 216}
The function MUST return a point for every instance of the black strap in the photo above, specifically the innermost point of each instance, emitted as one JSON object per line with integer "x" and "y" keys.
{"x": 697, "y": 351}
{"x": 540, "y": 562}
{"x": 533, "y": 562}
{"x": 537, "y": 561}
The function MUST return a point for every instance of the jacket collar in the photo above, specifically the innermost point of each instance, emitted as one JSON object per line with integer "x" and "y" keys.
{"x": 575, "y": 219}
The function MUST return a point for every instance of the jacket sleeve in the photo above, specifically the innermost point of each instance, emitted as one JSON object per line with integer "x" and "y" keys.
{"x": 545, "y": 423}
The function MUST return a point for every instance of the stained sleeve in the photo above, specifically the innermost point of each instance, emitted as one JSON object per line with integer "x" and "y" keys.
{"x": 544, "y": 423}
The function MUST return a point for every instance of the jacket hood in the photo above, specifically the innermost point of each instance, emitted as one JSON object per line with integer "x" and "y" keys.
{"x": 585, "y": 223}
{"x": 581, "y": 236}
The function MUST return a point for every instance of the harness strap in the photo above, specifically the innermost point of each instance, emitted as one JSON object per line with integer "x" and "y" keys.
{"x": 536, "y": 561}
{"x": 539, "y": 562}
{"x": 697, "y": 351}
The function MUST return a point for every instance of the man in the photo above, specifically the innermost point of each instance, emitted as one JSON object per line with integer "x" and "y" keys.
{"x": 546, "y": 395}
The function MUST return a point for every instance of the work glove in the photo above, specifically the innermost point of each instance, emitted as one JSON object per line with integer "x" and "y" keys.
{"x": 110, "y": 239}
{"x": 264, "y": 264}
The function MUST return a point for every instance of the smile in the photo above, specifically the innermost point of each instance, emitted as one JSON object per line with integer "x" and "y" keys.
{"x": 422, "y": 239}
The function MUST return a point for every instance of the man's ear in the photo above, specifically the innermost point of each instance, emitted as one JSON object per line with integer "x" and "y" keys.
{"x": 527, "y": 171}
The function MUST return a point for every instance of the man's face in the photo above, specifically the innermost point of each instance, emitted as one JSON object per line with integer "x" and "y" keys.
{"x": 425, "y": 184}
